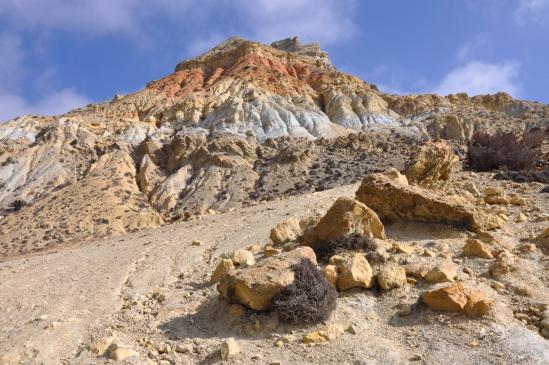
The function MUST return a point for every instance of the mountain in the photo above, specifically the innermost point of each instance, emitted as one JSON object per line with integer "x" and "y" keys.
{"x": 243, "y": 122}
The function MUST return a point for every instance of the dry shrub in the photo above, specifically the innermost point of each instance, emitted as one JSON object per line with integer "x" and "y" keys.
{"x": 504, "y": 150}
{"x": 355, "y": 242}
{"x": 310, "y": 298}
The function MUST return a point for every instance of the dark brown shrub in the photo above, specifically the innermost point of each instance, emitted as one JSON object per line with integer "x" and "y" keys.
{"x": 310, "y": 298}
{"x": 504, "y": 150}
{"x": 355, "y": 242}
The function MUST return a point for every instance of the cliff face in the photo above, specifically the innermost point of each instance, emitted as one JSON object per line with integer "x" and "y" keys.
{"x": 240, "y": 123}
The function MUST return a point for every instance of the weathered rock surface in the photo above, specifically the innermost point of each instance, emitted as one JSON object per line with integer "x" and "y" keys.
{"x": 353, "y": 271}
{"x": 395, "y": 201}
{"x": 391, "y": 277}
{"x": 286, "y": 231}
{"x": 457, "y": 298}
{"x": 432, "y": 162}
{"x": 255, "y": 286}
{"x": 345, "y": 217}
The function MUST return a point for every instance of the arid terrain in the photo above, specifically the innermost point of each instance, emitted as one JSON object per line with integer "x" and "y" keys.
{"x": 174, "y": 225}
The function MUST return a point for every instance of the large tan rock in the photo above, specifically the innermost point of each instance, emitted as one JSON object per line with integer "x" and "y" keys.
{"x": 394, "y": 201}
{"x": 287, "y": 231}
{"x": 353, "y": 271}
{"x": 445, "y": 272}
{"x": 256, "y": 286}
{"x": 457, "y": 298}
{"x": 224, "y": 266}
{"x": 432, "y": 162}
{"x": 345, "y": 217}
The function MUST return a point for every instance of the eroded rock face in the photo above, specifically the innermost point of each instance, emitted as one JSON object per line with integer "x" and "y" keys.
{"x": 346, "y": 217}
{"x": 432, "y": 162}
{"x": 394, "y": 201}
{"x": 256, "y": 286}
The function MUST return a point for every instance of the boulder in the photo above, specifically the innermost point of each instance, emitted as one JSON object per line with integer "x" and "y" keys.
{"x": 394, "y": 201}
{"x": 432, "y": 162}
{"x": 353, "y": 271}
{"x": 256, "y": 286}
{"x": 346, "y": 217}
{"x": 457, "y": 298}
{"x": 287, "y": 231}
{"x": 476, "y": 248}
{"x": 391, "y": 277}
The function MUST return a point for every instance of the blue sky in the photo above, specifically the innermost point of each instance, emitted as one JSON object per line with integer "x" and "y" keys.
{"x": 59, "y": 54}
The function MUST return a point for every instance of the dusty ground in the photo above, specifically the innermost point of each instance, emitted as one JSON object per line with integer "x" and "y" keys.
{"x": 151, "y": 288}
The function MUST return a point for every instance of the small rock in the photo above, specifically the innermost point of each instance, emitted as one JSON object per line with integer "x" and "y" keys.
{"x": 457, "y": 298}
{"x": 184, "y": 348}
{"x": 196, "y": 243}
{"x": 269, "y": 250}
{"x": 224, "y": 266}
{"x": 229, "y": 349}
{"x": 243, "y": 258}
{"x": 286, "y": 231}
{"x": 119, "y": 352}
{"x": 163, "y": 348}
{"x": 402, "y": 248}
{"x": 100, "y": 346}
{"x": 445, "y": 272}
{"x": 353, "y": 271}
{"x": 521, "y": 218}
{"x": 255, "y": 248}
{"x": 475, "y": 248}
{"x": 391, "y": 277}
{"x": 326, "y": 334}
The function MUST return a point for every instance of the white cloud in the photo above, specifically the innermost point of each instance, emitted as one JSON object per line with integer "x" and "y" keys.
{"x": 323, "y": 21}
{"x": 478, "y": 77}
{"x": 12, "y": 103}
{"x": 532, "y": 12}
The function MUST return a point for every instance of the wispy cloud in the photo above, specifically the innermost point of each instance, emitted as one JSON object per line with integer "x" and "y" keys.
{"x": 534, "y": 12}
{"x": 12, "y": 102}
{"x": 478, "y": 77}
{"x": 324, "y": 21}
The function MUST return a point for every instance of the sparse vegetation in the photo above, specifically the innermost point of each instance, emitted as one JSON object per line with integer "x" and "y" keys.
{"x": 355, "y": 242}
{"x": 310, "y": 298}
{"x": 505, "y": 150}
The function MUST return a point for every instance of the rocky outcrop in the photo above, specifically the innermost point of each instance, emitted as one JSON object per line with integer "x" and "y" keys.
{"x": 394, "y": 201}
{"x": 432, "y": 162}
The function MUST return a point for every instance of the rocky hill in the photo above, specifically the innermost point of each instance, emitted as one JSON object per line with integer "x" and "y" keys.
{"x": 260, "y": 206}
{"x": 241, "y": 123}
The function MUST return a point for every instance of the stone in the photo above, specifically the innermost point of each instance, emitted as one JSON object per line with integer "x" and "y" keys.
{"x": 331, "y": 273}
{"x": 457, "y": 298}
{"x": 100, "y": 345}
{"x": 503, "y": 265}
{"x": 353, "y": 271}
{"x": 471, "y": 188}
{"x": 119, "y": 352}
{"x": 476, "y": 248}
{"x": 517, "y": 200}
{"x": 396, "y": 175}
{"x": 521, "y": 217}
{"x": 269, "y": 250}
{"x": 184, "y": 348}
{"x": 196, "y": 243}
{"x": 255, "y": 286}
{"x": 345, "y": 217}
{"x": 287, "y": 231}
{"x": 229, "y": 349}
{"x": 445, "y": 272}
{"x": 163, "y": 348}
{"x": 432, "y": 162}
{"x": 328, "y": 333}
{"x": 416, "y": 270}
{"x": 255, "y": 248}
{"x": 543, "y": 237}
{"x": 224, "y": 266}
{"x": 402, "y": 248}
{"x": 394, "y": 201}
{"x": 391, "y": 277}
{"x": 243, "y": 258}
